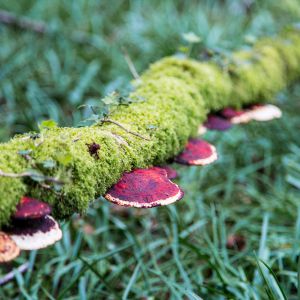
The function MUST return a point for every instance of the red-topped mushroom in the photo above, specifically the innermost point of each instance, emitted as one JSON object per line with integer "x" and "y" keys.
{"x": 34, "y": 234}
{"x": 171, "y": 173}
{"x": 197, "y": 152}
{"x": 258, "y": 112}
{"x": 229, "y": 112}
{"x": 8, "y": 248}
{"x": 30, "y": 208}
{"x": 217, "y": 123}
{"x": 144, "y": 188}
{"x": 266, "y": 112}
{"x": 236, "y": 116}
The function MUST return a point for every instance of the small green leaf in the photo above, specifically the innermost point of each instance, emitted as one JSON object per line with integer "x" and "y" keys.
{"x": 191, "y": 38}
{"x": 36, "y": 175}
{"x": 49, "y": 164}
{"x": 48, "y": 124}
{"x": 24, "y": 152}
{"x": 151, "y": 127}
{"x": 112, "y": 98}
{"x": 183, "y": 49}
{"x": 57, "y": 187}
{"x": 93, "y": 117}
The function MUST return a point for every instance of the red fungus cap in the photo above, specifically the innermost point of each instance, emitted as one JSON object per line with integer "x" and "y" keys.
{"x": 171, "y": 173}
{"x": 36, "y": 233}
{"x": 258, "y": 112}
{"x": 8, "y": 248}
{"x": 30, "y": 208}
{"x": 197, "y": 152}
{"x": 236, "y": 116}
{"x": 229, "y": 112}
{"x": 144, "y": 188}
{"x": 217, "y": 123}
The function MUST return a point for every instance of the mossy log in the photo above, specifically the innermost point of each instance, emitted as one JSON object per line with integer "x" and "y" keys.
{"x": 178, "y": 93}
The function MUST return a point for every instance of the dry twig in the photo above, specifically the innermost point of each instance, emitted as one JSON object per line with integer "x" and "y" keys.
{"x": 124, "y": 128}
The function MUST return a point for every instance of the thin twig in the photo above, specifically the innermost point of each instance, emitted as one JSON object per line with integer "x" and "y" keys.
{"x": 39, "y": 27}
{"x": 8, "y": 18}
{"x": 29, "y": 174}
{"x": 11, "y": 275}
{"x": 130, "y": 64}
{"x": 49, "y": 188}
{"x": 13, "y": 175}
{"x": 124, "y": 128}
{"x": 117, "y": 137}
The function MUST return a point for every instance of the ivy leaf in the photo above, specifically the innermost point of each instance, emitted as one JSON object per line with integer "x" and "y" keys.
{"x": 24, "y": 152}
{"x": 36, "y": 175}
{"x": 112, "y": 98}
{"x": 151, "y": 127}
{"x": 93, "y": 117}
{"x": 49, "y": 164}
{"x": 57, "y": 187}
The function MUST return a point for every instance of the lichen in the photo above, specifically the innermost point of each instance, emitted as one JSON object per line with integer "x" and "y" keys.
{"x": 178, "y": 94}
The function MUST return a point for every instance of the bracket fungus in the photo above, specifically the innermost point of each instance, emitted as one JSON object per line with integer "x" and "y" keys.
{"x": 201, "y": 129}
{"x": 230, "y": 113}
{"x": 8, "y": 248}
{"x": 258, "y": 112}
{"x": 144, "y": 188}
{"x": 264, "y": 113}
{"x": 31, "y": 228}
{"x": 34, "y": 234}
{"x": 197, "y": 153}
{"x": 30, "y": 208}
{"x": 171, "y": 173}
{"x": 214, "y": 122}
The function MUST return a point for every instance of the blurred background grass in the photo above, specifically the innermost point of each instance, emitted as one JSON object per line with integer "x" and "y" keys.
{"x": 176, "y": 252}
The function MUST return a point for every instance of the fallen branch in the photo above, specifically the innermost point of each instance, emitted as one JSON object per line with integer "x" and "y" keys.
{"x": 39, "y": 27}
{"x": 179, "y": 92}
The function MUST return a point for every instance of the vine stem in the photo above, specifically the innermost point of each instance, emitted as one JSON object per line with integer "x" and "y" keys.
{"x": 124, "y": 128}
{"x": 28, "y": 174}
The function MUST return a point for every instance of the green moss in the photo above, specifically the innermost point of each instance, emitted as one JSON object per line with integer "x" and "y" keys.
{"x": 288, "y": 47}
{"x": 257, "y": 75}
{"x": 213, "y": 83}
{"x": 177, "y": 93}
{"x": 11, "y": 189}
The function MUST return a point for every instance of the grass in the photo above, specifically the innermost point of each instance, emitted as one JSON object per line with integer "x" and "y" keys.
{"x": 175, "y": 252}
